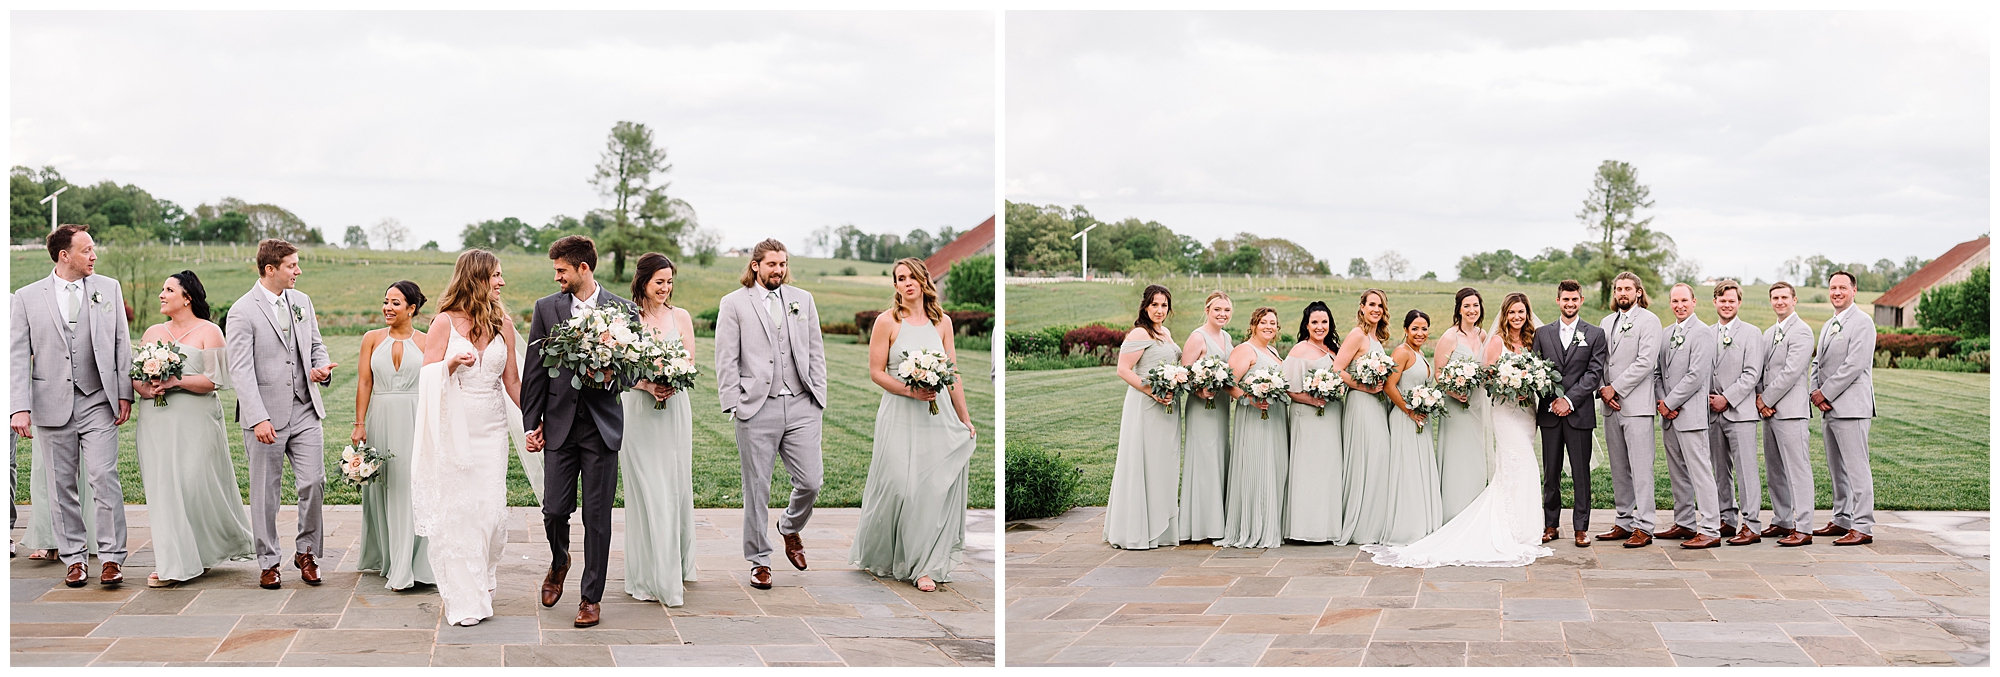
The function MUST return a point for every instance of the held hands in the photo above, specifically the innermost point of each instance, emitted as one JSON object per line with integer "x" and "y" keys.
{"x": 21, "y": 423}
{"x": 1819, "y": 400}
{"x": 1610, "y": 398}
{"x": 1763, "y": 410}
{"x": 264, "y": 433}
{"x": 1669, "y": 414}
{"x": 1560, "y": 407}
{"x": 1717, "y": 403}
{"x": 535, "y": 440}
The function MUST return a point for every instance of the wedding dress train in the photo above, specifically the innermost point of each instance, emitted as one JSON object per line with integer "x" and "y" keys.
{"x": 458, "y": 476}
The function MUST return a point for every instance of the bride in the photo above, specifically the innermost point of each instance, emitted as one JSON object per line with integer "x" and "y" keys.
{"x": 458, "y": 465}
{"x": 1502, "y": 527}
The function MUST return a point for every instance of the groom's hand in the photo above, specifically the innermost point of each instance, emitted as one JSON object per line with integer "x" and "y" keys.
{"x": 264, "y": 433}
{"x": 535, "y": 440}
{"x": 1560, "y": 407}
{"x": 22, "y": 424}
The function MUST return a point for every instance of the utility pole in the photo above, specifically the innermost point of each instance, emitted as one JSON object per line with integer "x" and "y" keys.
{"x": 1086, "y": 248}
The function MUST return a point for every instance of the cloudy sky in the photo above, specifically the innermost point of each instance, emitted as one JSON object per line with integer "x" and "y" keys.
{"x": 776, "y": 123}
{"x": 1762, "y": 135}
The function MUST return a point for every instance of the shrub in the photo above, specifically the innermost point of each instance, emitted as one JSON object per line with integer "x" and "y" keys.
{"x": 1040, "y": 483}
{"x": 1934, "y": 363}
{"x": 1031, "y": 343}
{"x": 1910, "y": 345}
{"x": 845, "y": 328}
{"x": 970, "y": 281}
{"x": 1051, "y": 361}
{"x": 849, "y": 271}
{"x": 1959, "y": 306}
{"x": 864, "y": 321}
{"x": 971, "y": 322}
{"x": 1977, "y": 344}
{"x": 1093, "y": 339}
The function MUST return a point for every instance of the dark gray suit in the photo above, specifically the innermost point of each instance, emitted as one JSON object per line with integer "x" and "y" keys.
{"x": 582, "y": 431}
{"x": 1582, "y": 364}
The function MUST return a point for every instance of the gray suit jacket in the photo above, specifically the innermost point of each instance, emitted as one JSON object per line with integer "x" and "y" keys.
{"x": 1737, "y": 366}
{"x": 746, "y": 364}
{"x": 1786, "y": 362}
{"x": 259, "y": 358}
{"x": 1684, "y": 373}
{"x": 1634, "y": 348}
{"x": 1844, "y": 370}
{"x": 39, "y": 331}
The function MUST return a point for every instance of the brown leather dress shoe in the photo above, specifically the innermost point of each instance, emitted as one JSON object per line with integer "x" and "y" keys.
{"x": 1728, "y": 531}
{"x": 76, "y": 575}
{"x": 760, "y": 578}
{"x": 1795, "y": 539}
{"x": 586, "y": 614}
{"x": 795, "y": 551}
{"x": 1616, "y": 533}
{"x": 1639, "y": 539}
{"x": 1775, "y": 531}
{"x": 1852, "y": 538}
{"x": 269, "y": 579}
{"x": 1830, "y": 529}
{"x": 308, "y": 570}
{"x": 1701, "y": 541}
{"x": 1582, "y": 540}
{"x": 1549, "y": 534}
{"x": 111, "y": 576}
{"x": 1676, "y": 532}
{"x": 1744, "y": 537}
{"x": 552, "y": 583}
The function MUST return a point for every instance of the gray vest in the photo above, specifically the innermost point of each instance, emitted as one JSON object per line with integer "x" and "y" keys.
{"x": 787, "y": 373}
{"x": 83, "y": 355}
{"x": 289, "y": 333}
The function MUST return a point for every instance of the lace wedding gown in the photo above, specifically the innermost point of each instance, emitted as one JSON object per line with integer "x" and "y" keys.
{"x": 1502, "y": 527}
{"x": 458, "y": 476}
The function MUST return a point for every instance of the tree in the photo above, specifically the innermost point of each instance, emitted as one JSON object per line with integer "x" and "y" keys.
{"x": 1429, "y": 275}
{"x": 1391, "y": 264}
{"x": 1610, "y": 211}
{"x": 970, "y": 281}
{"x": 643, "y": 217}
{"x": 820, "y": 243}
{"x": 706, "y": 244}
{"x": 390, "y": 231}
{"x": 497, "y": 235}
{"x": 356, "y": 238}
{"x": 1961, "y": 307}
{"x": 1357, "y": 268}
{"x": 229, "y": 226}
{"x": 429, "y": 246}
{"x": 1492, "y": 265}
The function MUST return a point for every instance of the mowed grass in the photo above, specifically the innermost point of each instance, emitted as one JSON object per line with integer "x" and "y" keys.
{"x": 1929, "y": 442}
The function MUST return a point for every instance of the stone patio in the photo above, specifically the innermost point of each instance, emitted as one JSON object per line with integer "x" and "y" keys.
{"x": 1918, "y": 596}
{"x": 831, "y": 615}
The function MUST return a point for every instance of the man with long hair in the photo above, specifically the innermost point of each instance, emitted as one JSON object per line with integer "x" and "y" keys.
{"x": 1633, "y": 333}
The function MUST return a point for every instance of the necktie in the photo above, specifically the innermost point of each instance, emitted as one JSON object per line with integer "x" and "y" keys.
{"x": 777, "y": 314}
{"x": 75, "y": 292}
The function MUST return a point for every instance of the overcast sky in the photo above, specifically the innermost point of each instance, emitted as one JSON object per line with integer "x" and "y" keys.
{"x": 776, "y": 123}
{"x": 1438, "y": 134}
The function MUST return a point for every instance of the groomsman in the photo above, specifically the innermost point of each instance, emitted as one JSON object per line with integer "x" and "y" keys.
{"x": 1732, "y": 416}
{"x": 69, "y": 334}
{"x": 1628, "y": 424}
{"x": 1687, "y": 365}
{"x": 1577, "y": 349}
{"x": 1844, "y": 392}
{"x": 1782, "y": 402}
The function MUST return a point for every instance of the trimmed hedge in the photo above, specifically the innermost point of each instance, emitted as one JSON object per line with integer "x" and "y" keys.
{"x": 1093, "y": 339}
{"x": 1040, "y": 483}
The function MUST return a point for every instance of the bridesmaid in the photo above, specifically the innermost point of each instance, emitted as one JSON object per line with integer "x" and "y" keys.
{"x": 658, "y": 457}
{"x": 183, "y": 448}
{"x": 913, "y": 506}
{"x": 1144, "y": 506}
{"x": 1365, "y": 429}
{"x": 1414, "y": 507}
{"x": 1313, "y": 499}
{"x": 1461, "y": 443}
{"x": 1256, "y": 495}
{"x": 392, "y": 358}
{"x": 1207, "y": 435}
{"x": 40, "y": 539}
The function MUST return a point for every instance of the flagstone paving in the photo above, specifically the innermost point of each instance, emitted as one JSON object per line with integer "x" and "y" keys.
{"x": 832, "y": 614}
{"x": 1918, "y": 596}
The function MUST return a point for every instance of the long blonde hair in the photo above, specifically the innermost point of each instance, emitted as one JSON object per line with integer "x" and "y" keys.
{"x": 1381, "y": 328}
{"x": 470, "y": 293}
{"x": 932, "y": 309}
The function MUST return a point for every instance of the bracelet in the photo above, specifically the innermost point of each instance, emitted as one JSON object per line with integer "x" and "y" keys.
{"x": 360, "y": 423}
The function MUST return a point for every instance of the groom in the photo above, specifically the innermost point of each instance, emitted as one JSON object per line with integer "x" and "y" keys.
{"x": 582, "y": 430}
{"x": 1577, "y": 348}
{"x": 770, "y": 368}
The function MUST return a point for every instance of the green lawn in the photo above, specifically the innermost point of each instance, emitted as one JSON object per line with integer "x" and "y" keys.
{"x": 1930, "y": 440}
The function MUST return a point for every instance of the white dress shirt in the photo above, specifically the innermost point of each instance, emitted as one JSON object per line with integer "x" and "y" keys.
{"x": 65, "y": 299}
{"x": 1565, "y": 332}
{"x": 280, "y": 309}
{"x": 580, "y": 305}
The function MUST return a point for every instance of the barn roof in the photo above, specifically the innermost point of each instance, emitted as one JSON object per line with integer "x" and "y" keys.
{"x": 1914, "y": 286}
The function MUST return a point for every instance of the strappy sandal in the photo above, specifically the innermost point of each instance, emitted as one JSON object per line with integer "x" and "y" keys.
{"x": 926, "y": 579}
{"x": 153, "y": 581}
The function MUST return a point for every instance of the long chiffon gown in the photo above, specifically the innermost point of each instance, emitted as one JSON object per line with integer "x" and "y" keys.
{"x": 1461, "y": 458}
{"x": 192, "y": 497}
{"x": 1258, "y": 460}
{"x": 913, "y": 507}
{"x": 1144, "y": 507}
{"x": 1414, "y": 506}
{"x": 1315, "y": 491}
{"x": 41, "y": 531}
{"x": 1365, "y": 440}
{"x": 389, "y": 540}
{"x": 1206, "y": 458}
{"x": 658, "y": 464}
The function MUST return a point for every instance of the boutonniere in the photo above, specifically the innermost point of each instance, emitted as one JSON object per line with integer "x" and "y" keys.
{"x": 1625, "y": 327}
{"x": 1727, "y": 341}
{"x": 1679, "y": 339}
{"x": 795, "y": 307}
{"x": 298, "y": 314}
{"x": 1836, "y": 329}
{"x": 1780, "y": 338}
{"x": 97, "y": 298}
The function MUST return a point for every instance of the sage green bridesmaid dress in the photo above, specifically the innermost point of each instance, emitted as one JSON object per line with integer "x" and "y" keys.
{"x": 1365, "y": 441}
{"x": 1316, "y": 490}
{"x": 657, "y": 461}
{"x": 913, "y": 506}
{"x": 389, "y": 540}
{"x": 1414, "y": 506}
{"x": 1206, "y": 458}
{"x": 1461, "y": 447}
{"x": 41, "y": 532}
{"x": 1144, "y": 507}
{"x": 192, "y": 498}
{"x": 1258, "y": 459}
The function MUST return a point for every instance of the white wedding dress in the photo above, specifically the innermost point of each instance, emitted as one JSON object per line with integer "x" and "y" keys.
{"x": 458, "y": 476}
{"x": 1502, "y": 527}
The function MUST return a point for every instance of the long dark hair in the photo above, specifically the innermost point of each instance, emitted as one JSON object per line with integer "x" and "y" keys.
{"x": 197, "y": 296}
{"x": 412, "y": 295}
{"x": 1146, "y": 299}
{"x": 1459, "y": 302}
{"x": 1331, "y": 343}
{"x": 1525, "y": 337}
{"x": 649, "y": 265}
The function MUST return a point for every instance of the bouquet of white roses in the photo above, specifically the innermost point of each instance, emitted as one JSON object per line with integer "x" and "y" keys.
{"x": 602, "y": 346}
{"x": 1212, "y": 373}
{"x": 1265, "y": 384}
{"x": 927, "y": 370}
{"x": 1324, "y": 383}
{"x": 361, "y": 464}
{"x": 1459, "y": 377}
{"x": 157, "y": 361}
{"x": 673, "y": 368}
{"x": 1521, "y": 377}
{"x": 1170, "y": 379}
{"x": 1426, "y": 401}
{"x": 1372, "y": 368}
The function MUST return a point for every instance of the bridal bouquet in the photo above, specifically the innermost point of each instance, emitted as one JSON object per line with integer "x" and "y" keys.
{"x": 1324, "y": 383}
{"x": 1170, "y": 379}
{"x": 1212, "y": 373}
{"x": 1427, "y": 401}
{"x": 1265, "y": 384}
{"x": 1459, "y": 377}
{"x": 1372, "y": 368}
{"x": 361, "y": 464}
{"x": 927, "y": 370}
{"x": 601, "y": 345}
{"x": 157, "y": 361}
{"x": 673, "y": 368}
{"x": 1521, "y": 377}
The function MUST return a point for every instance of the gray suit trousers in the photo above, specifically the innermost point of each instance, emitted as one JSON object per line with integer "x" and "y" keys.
{"x": 1691, "y": 473}
{"x": 89, "y": 442}
{"x": 1629, "y": 440}
{"x": 787, "y": 426}
{"x": 299, "y": 443}
{"x": 1733, "y": 445}
{"x": 1853, "y": 483}
{"x": 1790, "y": 472}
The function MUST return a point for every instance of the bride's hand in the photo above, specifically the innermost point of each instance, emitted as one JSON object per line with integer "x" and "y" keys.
{"x": 464, "y": 359}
